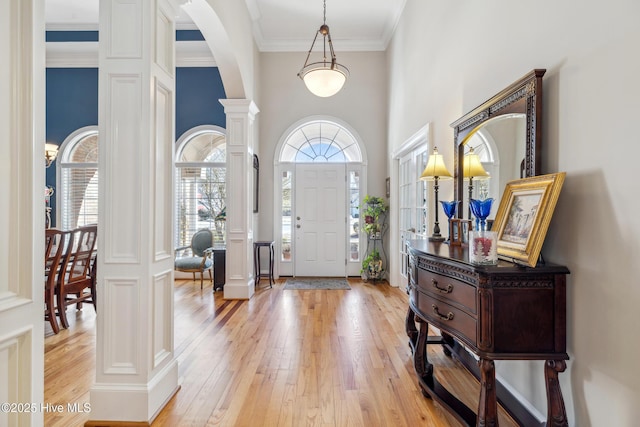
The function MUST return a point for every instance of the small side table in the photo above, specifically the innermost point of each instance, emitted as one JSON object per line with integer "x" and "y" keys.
{"x": 256, "y": 261}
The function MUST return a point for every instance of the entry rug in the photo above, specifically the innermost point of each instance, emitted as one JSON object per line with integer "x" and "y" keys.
{"x": 316, "y": 283}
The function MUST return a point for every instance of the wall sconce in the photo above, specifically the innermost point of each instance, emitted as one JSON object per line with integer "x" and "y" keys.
{"x": 472, "y": 168}
{"x": 434, "y": 171}
{"x": 50, "y": 153}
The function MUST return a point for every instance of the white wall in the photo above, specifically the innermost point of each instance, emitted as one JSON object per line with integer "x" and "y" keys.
{"x": 448, "y": 57}
{"x": 362, "y": 103}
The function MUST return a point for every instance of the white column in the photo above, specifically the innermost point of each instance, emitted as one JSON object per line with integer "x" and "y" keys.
{"x": 136, "y": 371}
{"x": 240, "y": 283}
{"x": 22, "y": 180}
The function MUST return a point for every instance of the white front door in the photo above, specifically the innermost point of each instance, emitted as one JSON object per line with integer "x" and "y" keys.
{"x": 320, "y": 220}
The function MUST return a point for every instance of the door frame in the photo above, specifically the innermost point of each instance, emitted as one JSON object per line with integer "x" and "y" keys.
{"x": 285, "y": 267}
{"x": 422, "y": 139}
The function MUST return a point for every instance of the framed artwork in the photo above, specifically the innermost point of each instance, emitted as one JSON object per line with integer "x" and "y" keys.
{"x": 524, "y": 215}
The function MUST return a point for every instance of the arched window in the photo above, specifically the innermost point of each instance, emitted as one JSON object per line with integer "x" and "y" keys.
{"x": 78, "y": 178}
{"x": 200, "y": 183}
{"x": 320, "y": 141}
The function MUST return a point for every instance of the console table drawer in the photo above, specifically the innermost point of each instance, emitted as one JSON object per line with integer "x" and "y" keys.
{"x": 454, "y": 292}
{"x": 447, "y": 317}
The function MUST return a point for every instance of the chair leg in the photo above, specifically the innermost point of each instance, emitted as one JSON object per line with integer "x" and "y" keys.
{"x": 201, "y": 279}
{"x": 211, "y": 277}
{"x": 62, "y": 309}
{"x": 51, "y": 312}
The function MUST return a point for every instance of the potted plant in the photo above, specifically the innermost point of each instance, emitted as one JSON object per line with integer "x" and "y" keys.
{"x": 372, "y": 207}
{"x": 372, "y": 266}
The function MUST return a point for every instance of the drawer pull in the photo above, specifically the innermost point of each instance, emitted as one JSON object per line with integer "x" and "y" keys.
{"x": 446, "y": 290}
{"x": 443, "y": 317}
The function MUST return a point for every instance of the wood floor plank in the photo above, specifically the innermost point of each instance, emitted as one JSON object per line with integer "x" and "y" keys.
{"x": 285, "y": 358}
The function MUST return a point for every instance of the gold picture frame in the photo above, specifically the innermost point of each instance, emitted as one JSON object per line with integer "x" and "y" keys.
{"x": 524, "y": 215}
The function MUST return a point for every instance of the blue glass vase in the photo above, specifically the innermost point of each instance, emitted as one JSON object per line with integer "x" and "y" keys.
{"x": 450, "y": 208}
{"x": 481, "y": 210}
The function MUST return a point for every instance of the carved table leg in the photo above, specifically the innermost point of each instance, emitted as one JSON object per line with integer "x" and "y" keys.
{"x": 410, "y": 327}
{"x": 556, "y": 414}
{"x": 420, "y": 362}
{"x": 488, "y": 405}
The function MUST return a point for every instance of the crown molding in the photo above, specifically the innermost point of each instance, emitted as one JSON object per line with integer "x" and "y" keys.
{"x": 85, "y": 54}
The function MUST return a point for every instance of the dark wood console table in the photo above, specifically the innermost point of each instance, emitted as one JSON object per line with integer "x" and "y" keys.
{"x": 499, "y": 312}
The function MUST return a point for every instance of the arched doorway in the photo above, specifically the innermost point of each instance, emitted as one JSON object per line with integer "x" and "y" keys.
{"x": 320, "y": 176}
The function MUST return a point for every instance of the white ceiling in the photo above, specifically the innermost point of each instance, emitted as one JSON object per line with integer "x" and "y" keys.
{"x": 278, "y": 25}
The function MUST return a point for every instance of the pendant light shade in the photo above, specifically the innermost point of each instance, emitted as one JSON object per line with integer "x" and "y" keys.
{"x": 324, "y": 78}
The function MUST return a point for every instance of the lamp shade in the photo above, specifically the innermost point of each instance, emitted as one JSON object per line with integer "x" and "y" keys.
{"x": 435, "y": 167}
{"x": 324, "y": 80}
{"x": 472, "y": 167}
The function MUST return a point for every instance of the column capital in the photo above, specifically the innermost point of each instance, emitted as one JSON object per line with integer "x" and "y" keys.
{"x": 176, "y": 5}
{"x": 240, "y": 106}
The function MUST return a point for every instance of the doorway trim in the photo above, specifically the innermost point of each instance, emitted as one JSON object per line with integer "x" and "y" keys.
{"x": 281, "y": 166}
{"x": 421, "y": 138}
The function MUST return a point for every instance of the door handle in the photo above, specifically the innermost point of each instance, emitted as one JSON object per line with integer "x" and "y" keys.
{"x": 411, "y": 230}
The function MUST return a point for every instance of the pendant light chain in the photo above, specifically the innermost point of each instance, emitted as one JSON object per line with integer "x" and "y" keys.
{"x": 324, "y": 38}
{"x": 324, "y": 21}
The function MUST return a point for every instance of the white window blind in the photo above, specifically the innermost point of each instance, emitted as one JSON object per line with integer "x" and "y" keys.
{"x": 78, "y": 195}
{"x": 200, "y": 184}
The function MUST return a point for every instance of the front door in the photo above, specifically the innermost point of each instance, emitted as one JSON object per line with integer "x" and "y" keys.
{"x": 320, "y": 220}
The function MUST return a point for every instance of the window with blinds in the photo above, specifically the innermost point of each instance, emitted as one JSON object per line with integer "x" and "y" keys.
{"x": 200, "y": 176}
{"x": 78, "y": 192}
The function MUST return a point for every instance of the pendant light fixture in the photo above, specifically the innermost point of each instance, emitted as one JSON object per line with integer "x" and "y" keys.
{"x": 324, "y": 78}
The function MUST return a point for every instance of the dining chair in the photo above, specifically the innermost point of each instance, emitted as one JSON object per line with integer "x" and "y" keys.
{"x": 77, "y": 285}
{"x": 56, "y": 243}
{"x": 201, "y": 257}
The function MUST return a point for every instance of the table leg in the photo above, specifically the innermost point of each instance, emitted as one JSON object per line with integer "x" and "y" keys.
{"x": 256, "y": 263}
{"x": 488, "y": 405}
{"x": 556, "y": 413}
{"x": 271, "y": 261}
{"x": 410, "y": 328}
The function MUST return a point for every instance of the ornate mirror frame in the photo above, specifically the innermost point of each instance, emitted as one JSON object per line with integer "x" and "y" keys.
{"x": 523, "y": 96}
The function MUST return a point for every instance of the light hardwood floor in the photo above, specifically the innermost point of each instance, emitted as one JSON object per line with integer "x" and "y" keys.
{"x": 283, "y": 358}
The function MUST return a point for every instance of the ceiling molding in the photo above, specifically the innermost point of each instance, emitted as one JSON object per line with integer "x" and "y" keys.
{"x": 85, "y": 54}
{"x": 339, "y": 45}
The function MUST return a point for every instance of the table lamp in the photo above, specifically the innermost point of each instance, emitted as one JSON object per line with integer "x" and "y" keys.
{"x": 472, "y": 168}
{"x": 434, "y": 171}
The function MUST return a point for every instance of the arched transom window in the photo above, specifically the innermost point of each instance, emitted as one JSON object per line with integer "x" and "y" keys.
{"x": 320, "y": 141}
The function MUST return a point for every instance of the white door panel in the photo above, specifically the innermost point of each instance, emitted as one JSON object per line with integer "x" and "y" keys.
{"x": 320, "y": 220}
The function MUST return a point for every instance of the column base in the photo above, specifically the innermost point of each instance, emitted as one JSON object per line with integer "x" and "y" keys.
{"x": 138, "y": 404}
{"x": 239, "y": 290}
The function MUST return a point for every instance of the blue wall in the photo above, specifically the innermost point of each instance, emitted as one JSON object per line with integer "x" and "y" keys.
{"x": 197, "y": 93}
{"x": 72, "y": 103}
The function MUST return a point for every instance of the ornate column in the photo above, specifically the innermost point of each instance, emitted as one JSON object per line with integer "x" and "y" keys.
{"x": 136, "y": 371}
{"x": 240, "y": 283}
